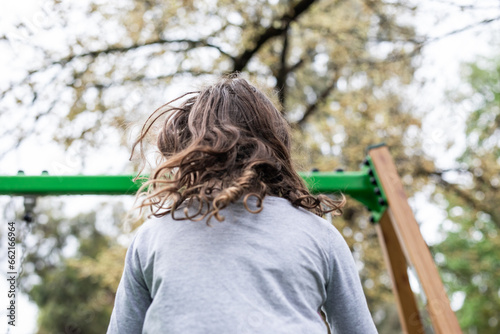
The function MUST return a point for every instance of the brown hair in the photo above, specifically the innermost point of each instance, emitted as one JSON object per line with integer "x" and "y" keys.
{"x": 222, "y": 143}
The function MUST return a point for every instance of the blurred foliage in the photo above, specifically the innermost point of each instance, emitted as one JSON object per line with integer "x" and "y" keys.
{"x": 339, "y": 68}
{"x": 77, "y": 269}
{"x": 469, "y": 257}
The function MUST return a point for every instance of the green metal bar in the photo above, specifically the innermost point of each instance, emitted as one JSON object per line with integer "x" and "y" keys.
{"x": 363, "y": 185}
{"x": 55, "y": 185}
{"x": 329, "y": 182}
{"x": 42, "y": 185}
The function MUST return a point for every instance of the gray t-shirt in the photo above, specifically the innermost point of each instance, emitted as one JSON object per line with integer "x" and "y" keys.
{"x": 269, "y": 272}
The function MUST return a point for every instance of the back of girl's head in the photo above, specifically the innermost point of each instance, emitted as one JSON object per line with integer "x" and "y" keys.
{"x": 225, "y": 142}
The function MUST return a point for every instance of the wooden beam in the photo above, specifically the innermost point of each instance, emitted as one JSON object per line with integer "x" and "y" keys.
{"x": 397, "y": 266}
{"x": 413, "y": 245}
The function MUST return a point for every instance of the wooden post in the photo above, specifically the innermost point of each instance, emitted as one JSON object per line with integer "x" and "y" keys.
{"x": 397, "y": 266}
{"x": 412, "y": 244}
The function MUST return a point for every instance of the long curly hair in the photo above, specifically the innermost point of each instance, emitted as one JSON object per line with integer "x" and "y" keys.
{"x": 223, "y": 143}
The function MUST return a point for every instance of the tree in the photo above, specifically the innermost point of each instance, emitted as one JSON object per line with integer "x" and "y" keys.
{"x": 302, "y": 48}
{"x": 469, "y": 256}
{"x": 74, "y": 290}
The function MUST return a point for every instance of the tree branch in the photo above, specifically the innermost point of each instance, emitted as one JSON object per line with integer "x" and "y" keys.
{"x": 314, "y": 106}
{"x": 191, "y": 43}
{"x": 295, "y": 66}
{"x": 457, "y": 31}
{"x": 282, "y": 71}
{"x": 242, "y": 60}
{"x": 454, "y": 188}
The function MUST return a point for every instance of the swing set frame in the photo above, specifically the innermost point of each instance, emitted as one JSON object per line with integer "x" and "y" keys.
{"x": 377, "y": 186}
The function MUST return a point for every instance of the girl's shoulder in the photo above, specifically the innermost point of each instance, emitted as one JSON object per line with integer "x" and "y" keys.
{"x": 284, "y": 210}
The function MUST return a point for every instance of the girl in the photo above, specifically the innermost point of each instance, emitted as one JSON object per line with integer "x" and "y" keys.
{"x": 269, "y": 264}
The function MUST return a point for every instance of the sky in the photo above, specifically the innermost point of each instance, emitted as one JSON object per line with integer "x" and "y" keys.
{"x": 439, "y": 69}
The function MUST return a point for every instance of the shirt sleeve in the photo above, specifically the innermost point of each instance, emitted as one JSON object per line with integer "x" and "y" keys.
{"x": 132, "y": 297}
{"x": 345, "y": 307}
